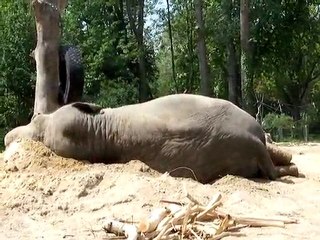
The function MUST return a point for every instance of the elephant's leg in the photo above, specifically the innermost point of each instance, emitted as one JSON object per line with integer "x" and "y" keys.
{"x": 289, "y": 170}
{"x": 71, "y": 75}
{"x": 279, "y": 156}
{"x": 265, "y": 163}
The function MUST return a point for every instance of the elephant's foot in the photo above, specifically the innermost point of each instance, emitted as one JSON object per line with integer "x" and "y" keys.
{"x": 289, "y": 170}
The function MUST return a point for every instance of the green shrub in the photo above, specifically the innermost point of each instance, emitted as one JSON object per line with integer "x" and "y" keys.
{"x": 274, "y": 121}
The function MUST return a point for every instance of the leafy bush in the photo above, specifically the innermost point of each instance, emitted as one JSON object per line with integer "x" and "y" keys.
{"x": 274, "y": 121}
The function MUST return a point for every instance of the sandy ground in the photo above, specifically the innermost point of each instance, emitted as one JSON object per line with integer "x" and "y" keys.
{"x": 43, "y": 196}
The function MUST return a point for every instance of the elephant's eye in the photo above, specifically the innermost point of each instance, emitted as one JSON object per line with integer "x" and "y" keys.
{"x": 35, "y": 116}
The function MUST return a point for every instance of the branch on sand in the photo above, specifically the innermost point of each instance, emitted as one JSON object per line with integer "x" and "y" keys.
{"x": 190, "y": 221}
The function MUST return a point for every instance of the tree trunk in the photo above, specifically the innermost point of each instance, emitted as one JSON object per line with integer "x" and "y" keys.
{"x": 143, "y": 86}
{"x": 47, "y": 16}
{"x": 171, "y": 47}
{"x": 245, "y": 56}
{"x": 190, "y": 85}
{"x": 144, "y": 89}
{"x": 295, "y": 112}
{"x": 202, "y": 51}
{"x": 233, "y": 76}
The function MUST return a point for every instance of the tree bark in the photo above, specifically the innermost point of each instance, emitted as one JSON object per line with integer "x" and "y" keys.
{"x": 233, "y": 77}
{"x": 47, "y": 16}
{"x": 190, "y": 85}
{"x": 144, "y": 89}
{"x": 234, "y": 88}
{"x": 245, "y": 55}
{"x": 202, "y": 51}
{"x": 171, "y": 47}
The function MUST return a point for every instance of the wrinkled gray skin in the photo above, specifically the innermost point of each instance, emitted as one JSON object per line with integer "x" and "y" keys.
{"x": 213, "y": 137}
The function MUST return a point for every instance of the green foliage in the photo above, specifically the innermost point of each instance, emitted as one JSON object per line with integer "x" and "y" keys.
{"x": 17, "y": 76}
{"x": 274, "y": 121}
{"x": 3, "y": 132}
{"x": 109, "y": 49}
{"x": 184, "y": 41}
{"x": 287, "y": 52}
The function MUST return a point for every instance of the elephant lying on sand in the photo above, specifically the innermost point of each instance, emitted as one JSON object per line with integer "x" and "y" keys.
{"x": 213, "y": 137}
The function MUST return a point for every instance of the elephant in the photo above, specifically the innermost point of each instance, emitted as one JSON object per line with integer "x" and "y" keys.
{"x": 71, "y": 75}
{"x": 186, "y": 135}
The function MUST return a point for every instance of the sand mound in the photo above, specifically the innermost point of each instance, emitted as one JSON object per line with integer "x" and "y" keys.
{"x": 49, "y": 197}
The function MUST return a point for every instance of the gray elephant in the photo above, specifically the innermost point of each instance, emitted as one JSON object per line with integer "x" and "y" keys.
{"x": 71, "y": 75}
{"x": 176, "y": 134}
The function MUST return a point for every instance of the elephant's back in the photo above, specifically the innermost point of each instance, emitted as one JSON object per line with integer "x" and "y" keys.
{"x": 193, "y": 112}
{"x": 232, "y": 120}
{"x": 176, "y": 106}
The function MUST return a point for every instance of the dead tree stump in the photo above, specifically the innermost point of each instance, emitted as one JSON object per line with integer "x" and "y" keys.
{"x": 47, "y": 16}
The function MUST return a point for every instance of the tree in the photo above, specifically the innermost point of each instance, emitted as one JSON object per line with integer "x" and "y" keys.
{"x": 205, "y": 88}
{"x": 136, "y": 19}
{"x": 17, "y": 75}
{"x": 287, "y": 53}
{"x": 171, "y": 46}
{"x": 245, "y": 56}
{"x": 233, "y": 78}
{"x": 47, "y": 15}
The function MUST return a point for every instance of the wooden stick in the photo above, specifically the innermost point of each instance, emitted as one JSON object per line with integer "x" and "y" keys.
{"x": 285, "y": 221}
{"x": 171, "y": 236}
{"x": 261, "y": 222}
{"x": 185, "y": 220}
{"x": 164, "y": 222}
{"x": 194, "y": 234}
{"x": 171, "y": 202}
{"x": 119, "y": 228}
{"x": 174, "y": 219}
{"x": 162, "y": 232}
{"x": 215, "y": 202}
{"x": 172, "y": 228}
{"x": 192, "y": 199}
{"x": 177, "y": 218}
{"x": 226, "y": 234}
{"x": 174, "y": 208}
{"x": 237, "y": 227}
{"x": 207, "y": 229}
{"x": 154, "y": 219}
{"x": 224, "y": 224}
{"x": 115, "y": 237}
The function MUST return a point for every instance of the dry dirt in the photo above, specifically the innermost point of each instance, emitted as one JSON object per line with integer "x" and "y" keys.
{"x": 43, "y": 196}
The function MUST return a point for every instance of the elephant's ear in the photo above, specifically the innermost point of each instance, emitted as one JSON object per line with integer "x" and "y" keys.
{"x": 88, "y": 108}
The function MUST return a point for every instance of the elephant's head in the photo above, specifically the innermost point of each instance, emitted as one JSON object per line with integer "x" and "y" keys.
{"x": 34, "y": 130}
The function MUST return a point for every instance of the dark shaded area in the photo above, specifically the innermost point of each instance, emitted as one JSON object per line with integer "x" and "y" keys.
{"x": 87, "y": 107}
{"x": 71, "y": 75}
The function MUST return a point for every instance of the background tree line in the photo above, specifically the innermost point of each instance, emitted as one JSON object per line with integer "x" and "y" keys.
{"x": 262, "y": 55}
